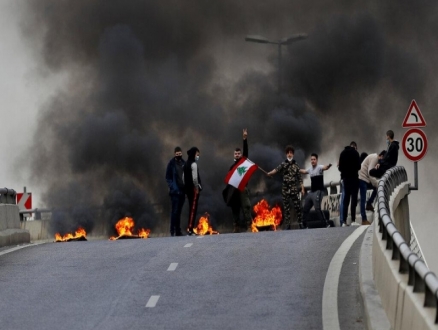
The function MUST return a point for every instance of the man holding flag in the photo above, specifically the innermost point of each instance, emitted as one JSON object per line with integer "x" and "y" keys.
{"x": 236, "y": 193}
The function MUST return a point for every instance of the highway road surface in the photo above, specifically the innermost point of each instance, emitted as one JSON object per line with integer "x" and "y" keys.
{"x": 266, "y": 280}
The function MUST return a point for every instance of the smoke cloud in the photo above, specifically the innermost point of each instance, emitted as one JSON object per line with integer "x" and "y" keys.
{"x": 144, "y": 77}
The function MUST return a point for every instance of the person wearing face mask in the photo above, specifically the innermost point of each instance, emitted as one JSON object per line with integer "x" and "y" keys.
{"x": 240, "y": 200}
{"x": 390, "y": 159}
{"x": 291, "y": 178}
{"x": 192, "y": 184}
{"x": 174, "y": 179}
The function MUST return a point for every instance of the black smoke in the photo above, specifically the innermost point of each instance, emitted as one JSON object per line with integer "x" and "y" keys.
{"x": 145, "y": 76}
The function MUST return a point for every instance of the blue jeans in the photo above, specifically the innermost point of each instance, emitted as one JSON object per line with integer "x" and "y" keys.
{"x": 363, "y": 186}
{"x": 175, "y": 215}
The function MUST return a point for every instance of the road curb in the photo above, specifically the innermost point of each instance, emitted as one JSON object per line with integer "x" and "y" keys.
{"x": 374, "y": 314}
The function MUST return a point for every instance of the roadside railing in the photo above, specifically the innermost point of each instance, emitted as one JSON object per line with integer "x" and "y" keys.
{"x": 420, "y": 278}
{"x": 7, "y": 196}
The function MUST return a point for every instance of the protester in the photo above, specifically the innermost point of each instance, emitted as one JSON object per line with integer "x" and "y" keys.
{"x": 174, "y": 178}
{"x": 317, "y": 191}
{"x": 365, "y": 181}
{"x": 390, "y": 159}
{"x": 349, "y": 165}
{"x": 192, "y": 184}
{"x": 240, "y": 199}
{"x": 341, "y": 186}
{"x": 291, "y": 178}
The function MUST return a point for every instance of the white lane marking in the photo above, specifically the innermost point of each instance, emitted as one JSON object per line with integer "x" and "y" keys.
{"x": 200, "y": 236}
{"x": 330, "y": 317}
{"x": 152, "y": 301}
{"x": 188, "y": 245}
{"x": 18, "y": 248}
{"x": 172, "y": 266}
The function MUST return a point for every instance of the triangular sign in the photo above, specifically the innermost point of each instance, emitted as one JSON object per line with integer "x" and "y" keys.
{"x": 414, "y": 118}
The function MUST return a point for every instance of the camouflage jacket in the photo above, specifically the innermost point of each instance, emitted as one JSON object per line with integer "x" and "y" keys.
{"x": 290, "y": 172}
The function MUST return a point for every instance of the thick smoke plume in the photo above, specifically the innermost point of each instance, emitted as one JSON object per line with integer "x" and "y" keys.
{"x": 146, "y": 76}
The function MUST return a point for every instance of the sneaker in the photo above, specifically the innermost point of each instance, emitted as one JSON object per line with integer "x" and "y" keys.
{"x": 369, "y": 208}
{"x": 328, "y": 226}
{"x": 366, "y": 223}
{"x": 354, "y": 223}
{"x": 344, "y": 225}
{"x": 190, "y": 232}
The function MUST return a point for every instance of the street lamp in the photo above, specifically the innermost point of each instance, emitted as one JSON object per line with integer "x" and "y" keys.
{"x": 284, "y": 41}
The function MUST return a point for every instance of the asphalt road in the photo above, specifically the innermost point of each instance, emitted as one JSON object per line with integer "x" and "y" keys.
{"x": 268, "y": 280}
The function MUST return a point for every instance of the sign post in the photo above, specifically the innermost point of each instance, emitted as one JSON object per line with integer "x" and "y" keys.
{"x": 414, "y": 141}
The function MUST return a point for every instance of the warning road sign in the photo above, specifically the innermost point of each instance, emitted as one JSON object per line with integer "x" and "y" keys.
{"x": 414, "y": 117}
{"x": 24, "y": 201}
{"x": 414, "y": 144}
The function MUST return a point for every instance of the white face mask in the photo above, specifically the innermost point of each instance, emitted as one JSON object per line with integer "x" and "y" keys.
{"x": 289, "y": 159}
{"x": 197, "y": 158}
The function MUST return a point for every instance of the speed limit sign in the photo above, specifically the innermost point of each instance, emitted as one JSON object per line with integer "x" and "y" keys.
{"x": 414, "y": 144}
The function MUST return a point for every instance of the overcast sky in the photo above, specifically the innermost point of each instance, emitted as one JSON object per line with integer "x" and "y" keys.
{"x": 26, "y": 87}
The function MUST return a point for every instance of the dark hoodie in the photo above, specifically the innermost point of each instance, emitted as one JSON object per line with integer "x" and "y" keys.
{"x": 391, "y": 157}
{"x": 349, "y": 163}
{"x": 188, "y": 178}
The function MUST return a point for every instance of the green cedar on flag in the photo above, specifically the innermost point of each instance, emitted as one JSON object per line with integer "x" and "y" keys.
{"x": 239, "y": 175}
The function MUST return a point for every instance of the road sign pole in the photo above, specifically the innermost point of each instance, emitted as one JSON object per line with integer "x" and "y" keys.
{"x": 415, "y": 177}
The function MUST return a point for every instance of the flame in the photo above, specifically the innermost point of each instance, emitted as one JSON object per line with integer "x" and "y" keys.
{"x": 125, "y": 227}
{"x": 265, "y": 216}
{"x": 78, "y": 234}
{"x": 204, "y": 227}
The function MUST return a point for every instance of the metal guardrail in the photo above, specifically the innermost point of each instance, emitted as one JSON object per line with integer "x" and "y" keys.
{"x": 7, "y": 196}
{"x": 420, "y": 277}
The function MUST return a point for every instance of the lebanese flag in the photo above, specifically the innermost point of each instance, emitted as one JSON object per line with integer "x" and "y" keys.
{"x": 239, "y": 175}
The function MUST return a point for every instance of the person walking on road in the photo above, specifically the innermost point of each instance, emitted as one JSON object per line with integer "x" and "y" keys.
{"x": 174, "y": 179}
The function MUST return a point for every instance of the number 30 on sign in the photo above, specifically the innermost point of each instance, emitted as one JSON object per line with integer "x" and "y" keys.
{"x": 414, "y": 144}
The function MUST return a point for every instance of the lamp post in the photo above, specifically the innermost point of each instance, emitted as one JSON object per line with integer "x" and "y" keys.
{"x": 279, "y": 43}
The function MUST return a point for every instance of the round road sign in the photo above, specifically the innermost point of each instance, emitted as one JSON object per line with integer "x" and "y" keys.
{"x": 414, "y": 144}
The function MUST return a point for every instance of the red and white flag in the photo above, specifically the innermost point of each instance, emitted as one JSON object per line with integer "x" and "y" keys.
{"x": 239, "y": 175}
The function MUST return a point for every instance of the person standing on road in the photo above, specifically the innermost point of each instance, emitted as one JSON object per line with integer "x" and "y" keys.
{"x": 192, "y": 184}
{"x": 291, "y": 178}
{"x": 174, "y": 179}
{"x": 390, "y": 159}
{"x": 349, "y": 165}
{"x": 317, "y": 192}
{"x": 240, "y": 199}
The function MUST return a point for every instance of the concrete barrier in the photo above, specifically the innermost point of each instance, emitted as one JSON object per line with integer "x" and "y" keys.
{"x": 10, "y": 229}
{"x": 404, "y": 308}
{"x": 38, "y": 229}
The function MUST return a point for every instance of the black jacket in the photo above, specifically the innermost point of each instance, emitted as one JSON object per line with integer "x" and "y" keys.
{"x": 188, "y": 178}
{"x": 349, "y": 163}
{"x": 174, "y": 178}
{"x": 391, "y": 156}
